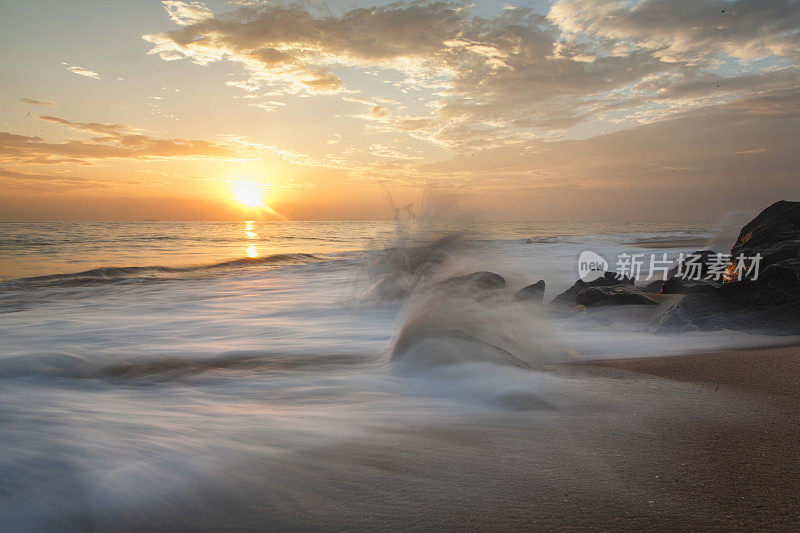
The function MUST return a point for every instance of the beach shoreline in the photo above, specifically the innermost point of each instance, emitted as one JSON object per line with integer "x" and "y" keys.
{"x": 695, "y": 442}
{"x": 769, "y": 369}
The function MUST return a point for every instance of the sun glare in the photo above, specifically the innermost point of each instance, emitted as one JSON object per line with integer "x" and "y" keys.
{"x": 249, "y": 194}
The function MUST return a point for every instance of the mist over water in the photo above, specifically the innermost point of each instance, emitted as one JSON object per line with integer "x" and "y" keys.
{"x": 315, "y": 373}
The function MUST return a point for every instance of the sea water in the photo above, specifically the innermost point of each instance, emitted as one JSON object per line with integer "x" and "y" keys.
{"x": 172, "y": 375}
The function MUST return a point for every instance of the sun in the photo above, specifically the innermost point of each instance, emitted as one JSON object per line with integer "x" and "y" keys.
{"x": 249, "y": 194}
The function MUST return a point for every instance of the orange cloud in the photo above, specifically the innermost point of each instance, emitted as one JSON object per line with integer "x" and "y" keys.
{"x": 115, "y": 141}
{"x": 37, "y": 102}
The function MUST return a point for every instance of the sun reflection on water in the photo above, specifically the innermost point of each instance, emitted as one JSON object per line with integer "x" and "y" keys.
{"x": 249, "y": 233}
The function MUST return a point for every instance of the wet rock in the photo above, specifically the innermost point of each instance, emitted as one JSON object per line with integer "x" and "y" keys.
{"x": 609, "y": 279}
{"x": 689, "y": 286}
{"x": 768, "y": 304}
{"x": 673, "y": 319}
{"x": 614, "y": 295}
{"x": 718, "y": 311}
{"x": 695, "y": 265}
{"x": 705, "y": 312}
{"x": 774, "y": 233}
{"x": 654, "y": 287}
{"x": 778, "y": 284}
{"x": 531, "y": 293}
{"x": 477, "y": 280}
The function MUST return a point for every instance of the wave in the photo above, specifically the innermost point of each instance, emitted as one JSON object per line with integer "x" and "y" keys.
{"x": 137, "y": 274}
{"x": 450, "y": 314}
{"x": 70, "y": 366}
{"x": 543, "y": 240}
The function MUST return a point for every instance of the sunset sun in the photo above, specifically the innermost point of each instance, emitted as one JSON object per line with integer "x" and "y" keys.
{"x": 249, "y": 194}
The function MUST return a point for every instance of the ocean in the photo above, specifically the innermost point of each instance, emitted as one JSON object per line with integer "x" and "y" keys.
{"x": 40, "y": 248}
{"x": 171, "y": 375}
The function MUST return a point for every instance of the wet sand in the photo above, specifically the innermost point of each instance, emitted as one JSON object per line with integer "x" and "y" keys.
{"x": 702, "y": 442}
{"x": 769, "y": 372}
{"x": 740, "y": 471}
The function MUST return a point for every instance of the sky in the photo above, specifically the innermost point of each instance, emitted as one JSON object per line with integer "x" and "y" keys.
{"x": 579, "y": 110}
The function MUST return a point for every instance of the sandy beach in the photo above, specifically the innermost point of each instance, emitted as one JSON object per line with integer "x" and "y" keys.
{"x": 700, "y": 442}
{"x": 741, "y": 469}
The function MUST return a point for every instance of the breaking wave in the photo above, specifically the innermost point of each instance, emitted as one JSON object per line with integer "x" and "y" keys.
{"x": 167, "y": 368}
{"x": 138, "y": 274}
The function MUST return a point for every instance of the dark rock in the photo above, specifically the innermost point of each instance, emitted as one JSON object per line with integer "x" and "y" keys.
{"x": 615, "y": 295}
{"x": 774, "y": 233}
{"x": 696, "y": 264}
{"x": 689, "y": 286}
{"x": 769, "y": 304}
{"x": 778, "y": 284}
{"x": 654, "y": 287}
{"x": 698, "y": 311}
{"x": 477, "y": 280}
{"x": 717, "y": 311}
{"x": 609, "y": 279}
{"x": 531, "y": 293}
{"x": 673, "y": 319}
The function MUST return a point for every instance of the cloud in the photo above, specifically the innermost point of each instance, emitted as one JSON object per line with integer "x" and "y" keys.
{"x": 186, "y": 13}
{"x": 293, "y": 51}
{"x": 24, "y": 181}
{"x": 37, "y": 102}
{"x": 685, "y": 30}
{"x": 596, "y": 95}
{"x": 268, "y": 106}
{"x": 699, "y": 163}
{"x": 516, "y": 78}
{"x": 82, "y": 71}
{"x": 111, "y": 141}
{"x": 90, "y": 127}
{"x": 391, "y": 152}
